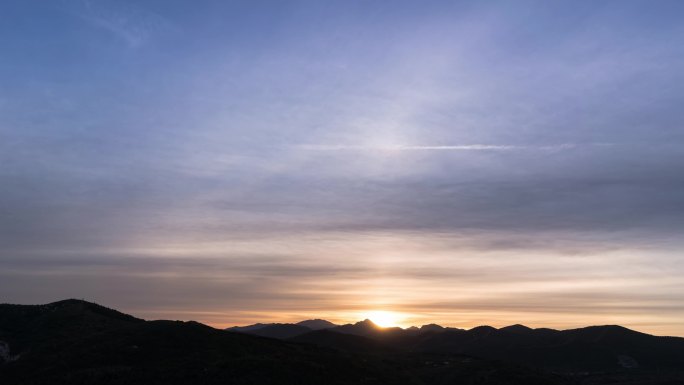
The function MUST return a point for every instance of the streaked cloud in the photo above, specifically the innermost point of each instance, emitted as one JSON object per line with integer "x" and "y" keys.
{"x": 128, "y": 21}
{"x": 462, "y": 147}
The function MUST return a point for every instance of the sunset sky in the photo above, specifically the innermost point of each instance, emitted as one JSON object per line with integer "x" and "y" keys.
{"x": 456, "y": 162}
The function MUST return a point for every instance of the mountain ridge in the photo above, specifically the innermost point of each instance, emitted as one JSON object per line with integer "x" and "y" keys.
{"x": 79, "y": 342}
{"x": 368, "y": 324}
{"x": 591, "y": 348}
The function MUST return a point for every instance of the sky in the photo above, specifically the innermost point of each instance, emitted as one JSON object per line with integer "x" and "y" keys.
{"x": 457, "y": 162}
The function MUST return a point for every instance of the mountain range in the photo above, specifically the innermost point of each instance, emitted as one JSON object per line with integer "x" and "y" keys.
{"x": 589, "y": 349}
{"x": 77, "y": 342}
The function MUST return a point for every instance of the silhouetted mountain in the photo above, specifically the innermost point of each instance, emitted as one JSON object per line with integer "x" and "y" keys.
{"x": 586, "y": 349}
{"x": 431, "y": 328}
{"x": 597, "y": 348}
{"x": 280, "y": 331}
{"x": 83, "y": 343}
{"x": 283, "y": 331}
{"x": 75, "y": 342}
{"x": 317, "y": 324}
{"x": 22, "y": 326}
{"x": 248, "y": 328}
{"x": 367, "y": 328}
{"x": 361, "y": 328}
{"x": 517, "y": 328}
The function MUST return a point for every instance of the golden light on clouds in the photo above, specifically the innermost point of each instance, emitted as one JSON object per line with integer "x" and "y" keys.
{"x": 393, "y": 279}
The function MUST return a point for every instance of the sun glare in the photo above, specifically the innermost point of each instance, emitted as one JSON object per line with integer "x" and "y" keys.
{"x": 384, "y": 318}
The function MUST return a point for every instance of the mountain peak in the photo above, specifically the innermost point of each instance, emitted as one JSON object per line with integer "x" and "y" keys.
{"x": 75, "y": 307}
{"x": 517, "y": 328}
{"x": 363, "y": 328}
{"x": 368, "y": 324}
{"x": 431, "y": 327}
{"x": 317, "y": 324}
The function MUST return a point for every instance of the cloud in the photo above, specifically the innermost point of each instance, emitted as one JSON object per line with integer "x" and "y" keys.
{"x": 540, "y": 288}
{"x": 462, "y": 147}
{"x": 129, "y": 22}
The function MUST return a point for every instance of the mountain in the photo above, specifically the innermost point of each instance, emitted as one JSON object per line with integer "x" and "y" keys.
{"x": 590, "y": 349}
{"x": 518, "y": 329}
{"x": 23, "y": 326}
{"x": 431, "y": 328}
{"x": 248, "y": 328}
{"x": 587, "y": 349}
{"x": 283, "y": 331}
{"x": 76, "y": 342}
{"x": 368, "y": 328}
{"x": 280, "y": 331}
{"x": 317, "y": 324}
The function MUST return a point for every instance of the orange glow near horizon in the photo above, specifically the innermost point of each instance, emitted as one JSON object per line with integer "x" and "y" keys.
{"x": 464, "y": 319}
{"x": 384, "y": 318}
{"x": 407, "y": 280}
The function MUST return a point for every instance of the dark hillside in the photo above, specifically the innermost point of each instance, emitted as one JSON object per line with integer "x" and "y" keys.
{"x": 45, "y": 326}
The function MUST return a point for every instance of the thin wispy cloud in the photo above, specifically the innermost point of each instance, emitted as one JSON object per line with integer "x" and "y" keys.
{"x": 460, "y": 147}
{"x": 128, "y": 21}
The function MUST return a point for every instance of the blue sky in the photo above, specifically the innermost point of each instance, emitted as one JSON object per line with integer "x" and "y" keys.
{"x": 461, "y": 162}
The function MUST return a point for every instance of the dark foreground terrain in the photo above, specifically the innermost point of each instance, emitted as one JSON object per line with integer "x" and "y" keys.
{"x": 76, "y": 342}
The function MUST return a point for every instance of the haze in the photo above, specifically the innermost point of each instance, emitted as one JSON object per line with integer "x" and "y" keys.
{"x": 457, "y": 162}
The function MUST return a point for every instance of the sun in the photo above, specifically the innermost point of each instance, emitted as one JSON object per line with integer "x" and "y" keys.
{"x": 384, "y": 318}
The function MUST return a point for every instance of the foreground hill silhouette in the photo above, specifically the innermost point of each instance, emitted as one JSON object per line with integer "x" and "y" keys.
{"x": 76, "y": 342}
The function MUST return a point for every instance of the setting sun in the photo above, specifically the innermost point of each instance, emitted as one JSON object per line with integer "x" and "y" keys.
{"x": 384, "y": 318}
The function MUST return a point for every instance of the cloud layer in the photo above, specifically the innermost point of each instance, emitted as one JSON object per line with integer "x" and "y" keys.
{"x": 458, "y": 162}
